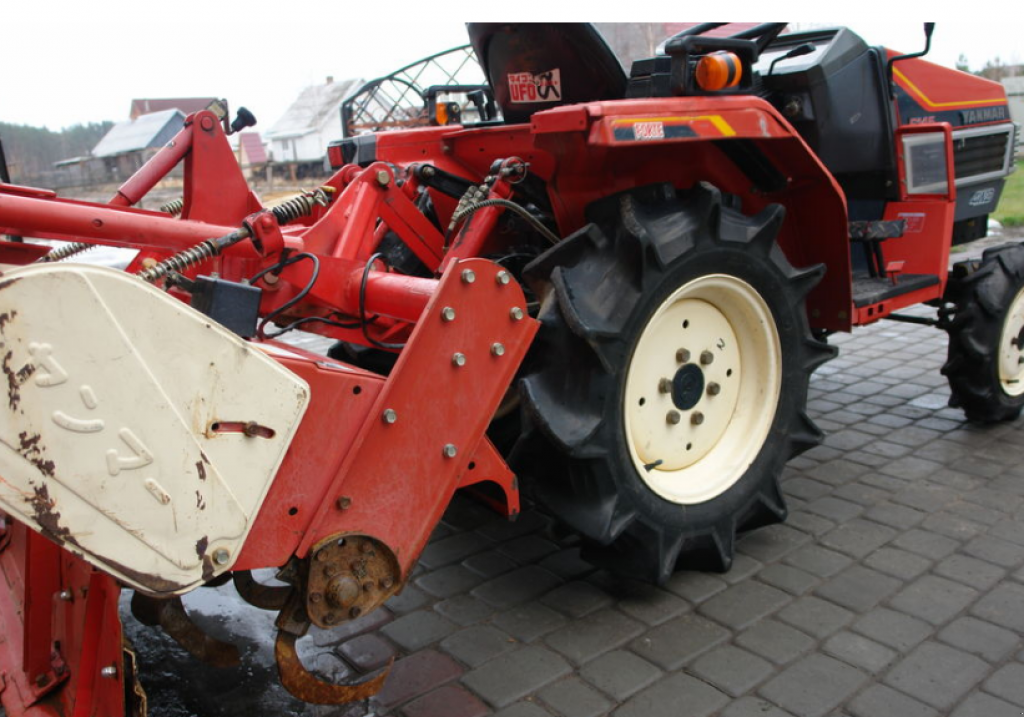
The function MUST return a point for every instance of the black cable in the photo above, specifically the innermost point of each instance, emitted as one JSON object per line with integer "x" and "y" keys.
{"x": 362, "y": 305}
{"x": 315, "y": 319}
{"x": 295, "y": 299}
{"x": 539, "y": 227}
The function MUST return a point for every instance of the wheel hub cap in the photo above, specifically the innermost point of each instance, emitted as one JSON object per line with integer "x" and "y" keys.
{"x": 687, "y": 387}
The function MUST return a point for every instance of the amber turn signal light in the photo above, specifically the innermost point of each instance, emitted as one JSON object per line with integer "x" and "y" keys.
{"x": 719, "y": 71}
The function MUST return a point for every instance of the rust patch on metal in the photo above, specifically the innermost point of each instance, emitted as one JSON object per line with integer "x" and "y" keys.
{"x": 200, "y": 501}
{"x": 13, "y": 384}
{"x": 49, "y": 519}
{"x": 309, "y": 688}
{"x": 6, "y": 318}
{"x": 32, "y": 452}
{"x": 208, "y": 569}
{"x": 205, "y": 459}
{"x": 25, "y": 372}
{"x": 349, "y": 575}
{"x": 201, "y": 546}
{"x": 153, "y": 583}
{"x": 201, "y": 470}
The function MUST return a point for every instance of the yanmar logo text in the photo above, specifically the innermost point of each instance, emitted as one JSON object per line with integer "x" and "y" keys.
{"x": 528, "y": 87}
{"x": 984, "y": 114}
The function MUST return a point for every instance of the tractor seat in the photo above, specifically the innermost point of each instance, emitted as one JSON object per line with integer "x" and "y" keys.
{"x": 537, "y": 66}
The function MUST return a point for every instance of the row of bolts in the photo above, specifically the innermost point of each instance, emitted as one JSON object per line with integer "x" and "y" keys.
{"x": 390, "y": 415}
{"x": 673, "y": 417}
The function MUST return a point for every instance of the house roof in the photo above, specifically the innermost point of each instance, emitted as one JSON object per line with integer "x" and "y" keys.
{"x": 140, "y": 133}
{"x": 252, "y": 145}
{"x": 187, "y": 105}
{"x": 1014, "y": 85}
{"x": 314, "y": 107}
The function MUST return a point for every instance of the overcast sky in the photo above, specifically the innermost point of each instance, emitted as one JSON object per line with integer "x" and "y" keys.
{"x": 63, "y": 62}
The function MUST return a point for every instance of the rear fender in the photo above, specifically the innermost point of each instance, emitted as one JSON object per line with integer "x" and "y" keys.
{"x": 739, "y": 144}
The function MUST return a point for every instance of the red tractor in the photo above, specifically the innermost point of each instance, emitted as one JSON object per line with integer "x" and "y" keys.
{"x": 609, "y": 290}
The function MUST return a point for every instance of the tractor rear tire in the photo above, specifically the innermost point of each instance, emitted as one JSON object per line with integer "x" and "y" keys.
{"x": 985, "y": 365}
{"x": 667, "y": 386}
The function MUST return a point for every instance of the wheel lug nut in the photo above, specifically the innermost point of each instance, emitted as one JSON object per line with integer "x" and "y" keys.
{"x": 683, "y": 356}
{"x": 697, "y": 418}
{"x": 665, "y": 385}
{"x": 706, "y": 357}
{"x": 673, "y": 417}
{"x": 714, "y": 389}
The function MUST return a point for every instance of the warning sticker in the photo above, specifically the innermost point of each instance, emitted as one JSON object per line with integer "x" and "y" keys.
{"x": 541, "y": 87}
{"x": 649, "y": 130}
{"x": 915, "y": 222}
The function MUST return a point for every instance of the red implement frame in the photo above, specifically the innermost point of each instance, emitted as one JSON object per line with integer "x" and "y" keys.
{"x": 381, "y": 456}
{"x": 348, "y": 471}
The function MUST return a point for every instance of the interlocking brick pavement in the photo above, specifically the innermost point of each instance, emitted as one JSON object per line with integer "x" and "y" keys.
{"x": 896, "y": 587}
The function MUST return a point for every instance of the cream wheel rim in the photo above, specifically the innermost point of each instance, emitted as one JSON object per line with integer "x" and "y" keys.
{"x": 702, "y": 388}
{"x": 1011, "y": 349}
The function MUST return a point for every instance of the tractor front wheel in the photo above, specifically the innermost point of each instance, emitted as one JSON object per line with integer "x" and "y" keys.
{"x": 668, "y": 383}
{"x": 985, "y": 366}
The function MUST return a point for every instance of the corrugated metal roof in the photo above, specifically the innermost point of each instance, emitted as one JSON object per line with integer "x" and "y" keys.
{"x": 315, "y": 106}
{"x": 252, "y": 145}
{"x": 136, "y": 134}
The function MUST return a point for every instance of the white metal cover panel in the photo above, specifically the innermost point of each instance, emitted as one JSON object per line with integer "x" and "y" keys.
{"x": 108, "y": 443}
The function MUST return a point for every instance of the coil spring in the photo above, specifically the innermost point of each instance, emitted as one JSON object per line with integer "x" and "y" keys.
{"x": 473, "y": 195}
{"x": 300, "y": 206}
{"x": 63, "y": 252}
{"x": 173, "y": 207}
{"x": 181, "y": 261}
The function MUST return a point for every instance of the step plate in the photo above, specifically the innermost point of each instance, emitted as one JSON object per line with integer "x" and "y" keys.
{"x": 121, "y": 433}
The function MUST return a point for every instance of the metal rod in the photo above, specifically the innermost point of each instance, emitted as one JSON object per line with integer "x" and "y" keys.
{"x": 139, "y": 184}
{"x": 922, "y": 320}
{"x": 698, "y": 29}
{"x": 104, "y": 224}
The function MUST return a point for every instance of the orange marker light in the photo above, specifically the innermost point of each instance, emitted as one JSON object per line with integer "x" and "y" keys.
{"x": 719, "y": 71}
{"x": 442, "y": 113}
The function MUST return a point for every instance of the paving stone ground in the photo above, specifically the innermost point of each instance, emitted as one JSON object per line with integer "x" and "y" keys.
{"x": 895, "y": 588}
